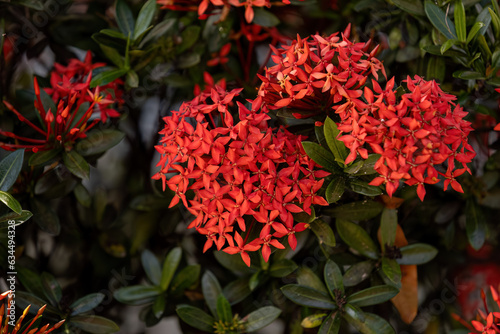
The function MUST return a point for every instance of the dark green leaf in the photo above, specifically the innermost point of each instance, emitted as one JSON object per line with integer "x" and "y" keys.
{"x": 224, "y": 312}
{"x": 314, "y": 320}
{"x": 23, "y": 299}
{"x": 151, "y": 266}
{"x": 306, "y": 296}
{"x": 282, "y": 268}
{"x": 186, "y": 277}
{"x": 307, "y": 277}
{"x": 112, "y": 40}
{"x": 473, "y": 31}
{"x": 436, "y": 50}
{"x": 76, "y": 164}
{"x": 149, "y": 202}
{"x": 484, "y": 17}
{"x": 357, "y": 238}
{"x": 336, "y": 146}
{"x": 170, "y": 266}
{"x": 460, "y": 22}
{"x": 475, "y": 224}
{"x": 367, "y": 323}
{"x": 358, "y": 272}
{"x": 410, "y": 6}
{"x": 360, "y": 210}
{"x": 11, "y": 202}
{"x": 158, "y": 31}
{"x": 261, "y": 317}
{"x": 372, "y": 296}
{"x": 495, "y": 20}
{"x": 335, "y": 190}
{"x": 106, "y": 77}
{"x": 17, "y": 218}
{"x": 124, "y": 18}
{"x": 45, "y": 217}
{"x": 137, "y": 294}
{"x": 94, "y": 324}
{"x": 364, "y": 167}
{"x": 158, "y": 307}
{"x": 388, "y": 225}
{"x": 321, "y": 156}
{"x": 331, "y": 325}
{"x": 324, "y": 232}
{"x": 189, "y": 37}
{"x": 144, "y": 18}
{"x": 86, "y": 303}
{"x": 333, "y": 278}
{"x": 257, "y": 279}
{"x": 233, "y": 263}
{"x": 189, "y": 60}
{"x": 99, "y": 141}
{"x": 10, "y": 166}
{"x": 392, "y": 271}
{"x": 363, "y": 188}
{"x": 31, "y": 281}
{"x": 265, "y": 18}
{"x": 417, "y": 254}
{"x": 468, "y": 75}
{"x": 43, "y": 157}
{"x": 237, "y": 290}
{"x": 211, "y": 290}
{"x": 196, "y": 318}
{"x": 320, "y": 134}
{"x": 113, "y": 55}
{"x": 52, "y": 289}
{"x": 436, "y": 68}
{"x": 439, "y": 20}
{"x": 82, "y": 195}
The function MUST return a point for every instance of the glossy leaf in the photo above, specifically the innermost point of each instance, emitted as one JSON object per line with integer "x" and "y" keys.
{"x": 417, "y": 254}
{"x": 144, "y": 18}
{"x": 124, "y": 18}
{"x": 357, "y": 238}
{"x": 363, "y": 188}
{"x": 10, "y": 166}
{"x": 282, "y": 268}
{"x": 169, "y": 267}
{"x": 359, "y": 210}
{"x": 137, "y": 294}
{"x": 211, "y": 290}
{"x": 447, "y": 45}
{"x": 468, "y": 75}
{"x": 185, "y": 278}
{"x": 335, "y": 189}
{"x": 372, "y": 296}
{"x": 460, "y": 22}
{"x": 94, "y": 324}
{"x": 86, "y": 303}
{"x": 331, "y": 325}
{"x": 475, "y": 225}
{"x": 388, "y": 225}
{"x": 196, "y": 317}
{"x": 314, "y": 320}
{"x": 306, "y": 296}
{"x": 11, "y": 202}
{"x": 224, "y": 312}
{"x": 17, "y": 218}
{"x": 321, "y": 156}
{"x": 261, "y": 317}
{"x": 439, "y": 20}
{"x": 151, "y": 266}
{"x": 103, "y": 78}
{"x": 336, "y": 146}
{"x": 323, "y": 232}
{"x": 358, "y": 272}
{"x": 333, "y": 278}
{"x": 76, "y": 164}
{"x": 392, "y": 271}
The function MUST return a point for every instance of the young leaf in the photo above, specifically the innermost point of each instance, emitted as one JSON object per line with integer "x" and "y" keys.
{"x": 336, "y": 146}
{"x": 137, "y": 294}
{"x": 169, "y": 267}
{"x": 323, "y": 232}
{"x": 358, "y": 272}
{"x": 124, "y": 18}
{"x": 151, "y": 266}
{"x": 460, "y": 22}
{"x": 11, "y": 202}
{"x": 440, "y": 20}
{"x": 282, "y": 268}
{"x": 196, "y": 318}
{"x": 335, "y": 190}
{"x": 321, "y": 156}
{"x": 314, "y": 320}
{"x": 86, "y": 303}
{"x": 10, "y": 166}
{"x": 388, "y": 225}
{"x": 475, "y": 224}
{"x": 306, "y": 296}
{"x": 94, "y": 324}
{"x": 447, "y": 45}
{"x": 372, "y": 296}
{"x": 357, "y": 238}
{"x": 333, "y": 278}
{"x": 417, "y": 254}
{"x": 211, "y": 291}
{"x": 260, "y": 318}
{"x": 76, "y": 164}
{"x": 224, "y": 312}
{"x": 144, "y": 18}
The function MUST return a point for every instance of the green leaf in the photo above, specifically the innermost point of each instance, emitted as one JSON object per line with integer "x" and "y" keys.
{"x": 137, "y": 294}
{"x": 282, "y": 268}
{"x": 170, "y": 266}
{"x": 52, "y": 289}
{"x": 321, "y": 156}
{"x": 264, "y": 18}
{"x": 331, "y": 325}
{"x": 86, "y": 303}
{"x": 358, "y": 272}
{"x": 439, "y": 20}
{"x": 359, "y": 210}
{"x": 124, "y": 18}
{"x": 363, "y": 167}
{"x": 233, "y": 263}
{"x": 17, "y": 218}
{"x": 484, "y": 17}
{"x": 367, "y": 323}
{"x": 372, "y": 296}
{"x": 388, "y": 225}
{"x": 436, "y": 50}
{"x": 158, "y": 307}
{"x": 11, "y": 202}
{"x": 23, "y": 299}
{"x": 460, "y": 22}
{"x": 495, "y": 6}
{"x": 410, "y": 6}
{"x": 45, "y": 217}
{"x": 468, "y": 75}
{"x": 111, "y": 39}
{"x": 224, "y": 312}
{"x": 186, "y": 277}
{"x": 103, "y": 78}
{"x": 436, "y": 68}
{"x": 132, "y": 79}
{"x": 10, "y": 166}
{"x": 99, "y": 141}
{"x": 417, "y": 254}
{"x": 32, "y": 282}
{"x": 82, "y": 195}
{"x": 357, "y": 238}
{"x": 189, "y": 36}
{"x": 237, "y": 290}
{"x": 257, "y": 279}
{"x": 41, "y": 158}
{"x": 475, "y": 225}
{"x": 189, "y": 60}
{"x": 305, "y": 296}
{"x": 392, "y": 271}
{"x": 495, "y": 20}
{"x": 336, "y": 146}
{"x": 447, "y": 45}
{"x": 196, "y": 318}
{"x": 261, "y": 317}
{"x": 473, "y": 31}
{"x": 158, "y": 31}
{"x": 363, "y": 188}
{"x": 306, "y": 277}
{"x": 333, "y": 278}
{"x": 211, "y": 290}
{"x": 113, "y": 55}
{"x": 151, "y": 266}
{"x": 76, "y": 164}
{"x": 324, "y": 232}
{"x": 335, "y": 190}
{"x": 144, "y": 18}
{"x": 94, "y": 324}
{"x": 314, "y": 320}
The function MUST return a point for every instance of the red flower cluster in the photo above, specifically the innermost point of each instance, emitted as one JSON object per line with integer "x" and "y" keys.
{"x": 244, "y": 174}
{"x": 487, "y": 322}
{"x": 313, "y": 75}
{"x": 78, "y": 107}
{"x": 413, "y": 134}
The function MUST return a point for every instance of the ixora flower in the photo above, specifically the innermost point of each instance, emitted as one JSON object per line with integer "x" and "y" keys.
{"x": 246, "y": 176}
{"x": 75, "y": 108}
{"x": 16, "y": 326}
